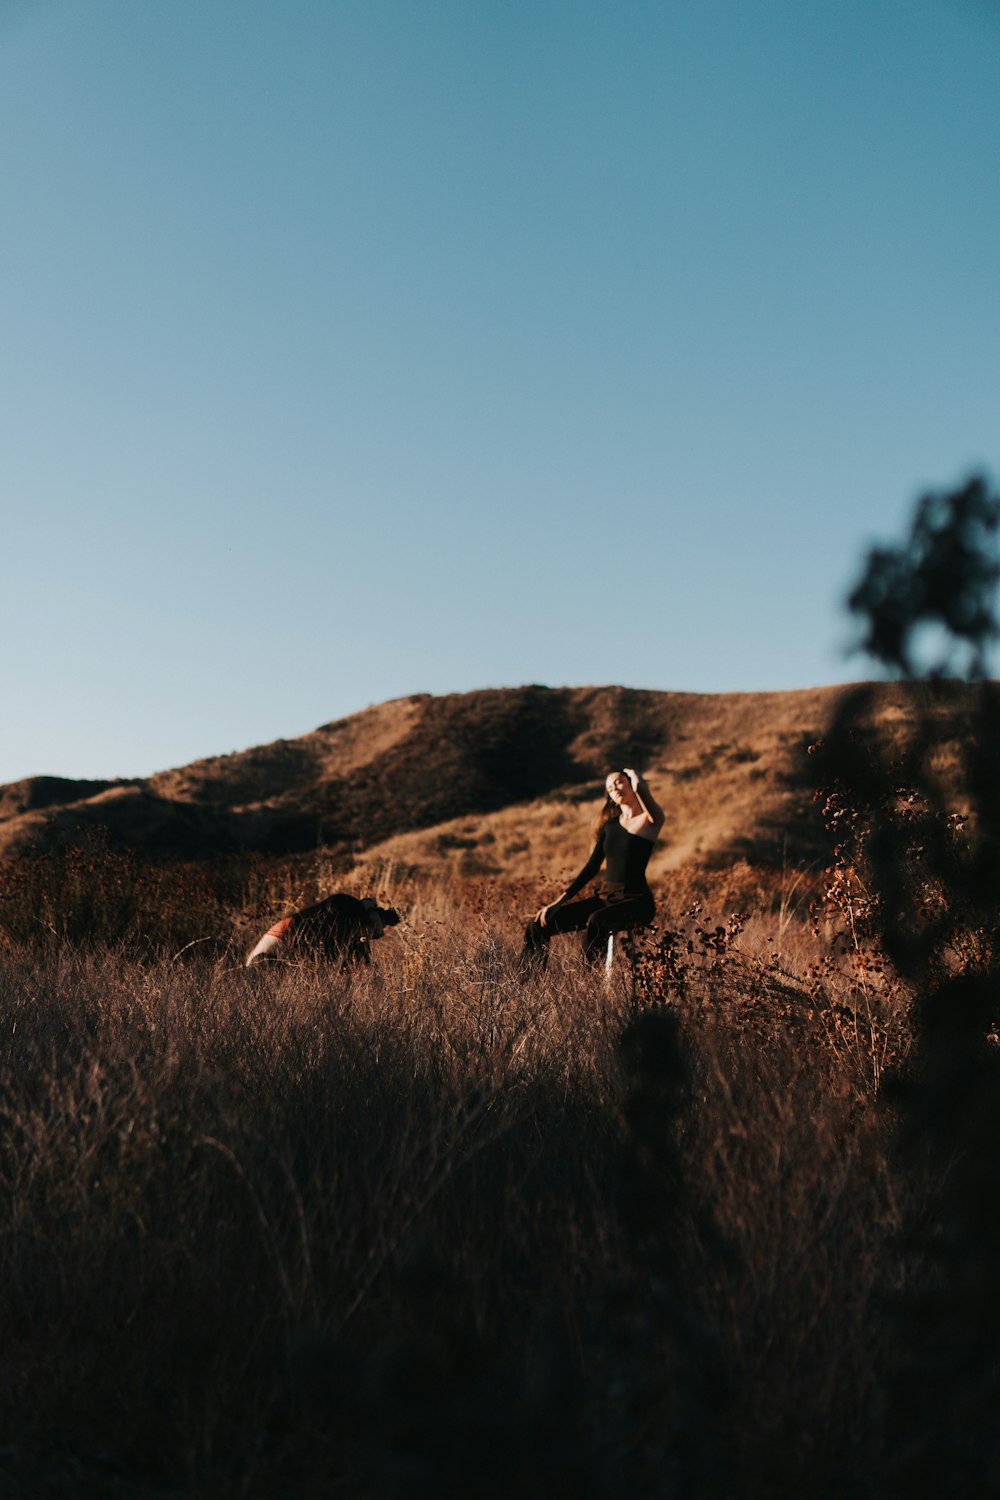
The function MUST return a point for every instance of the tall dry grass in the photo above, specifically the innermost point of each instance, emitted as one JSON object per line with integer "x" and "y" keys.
{"x": 428, "y": 1228}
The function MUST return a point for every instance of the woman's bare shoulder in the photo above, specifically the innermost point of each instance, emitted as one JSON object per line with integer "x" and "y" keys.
{"x": 643, "y": 828}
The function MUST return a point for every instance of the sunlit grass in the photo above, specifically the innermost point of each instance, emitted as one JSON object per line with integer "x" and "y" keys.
{"x": 342, "y": 1224}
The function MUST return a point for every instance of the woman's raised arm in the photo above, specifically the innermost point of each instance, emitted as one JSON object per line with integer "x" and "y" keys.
{"x": 654, "y": 812}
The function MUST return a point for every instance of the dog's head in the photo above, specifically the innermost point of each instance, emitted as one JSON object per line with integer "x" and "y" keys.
{"x": 378, "y": 918}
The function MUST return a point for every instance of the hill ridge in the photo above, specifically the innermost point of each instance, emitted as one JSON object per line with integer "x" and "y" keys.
{"x": 729, "y": 767}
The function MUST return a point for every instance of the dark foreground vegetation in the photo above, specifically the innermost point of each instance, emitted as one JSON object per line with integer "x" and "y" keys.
{"x": 425, "y": 1229}
{"x": 726, "y": 1226}
{"x": 428, "y": 1230}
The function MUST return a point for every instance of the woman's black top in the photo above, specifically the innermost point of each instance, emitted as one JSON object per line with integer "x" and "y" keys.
{"x": 627, "y": 855}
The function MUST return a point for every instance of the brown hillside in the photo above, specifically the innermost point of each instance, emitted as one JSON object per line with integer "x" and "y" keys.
{"x": 495, "y": 781}
{"x": 37, "y": 792}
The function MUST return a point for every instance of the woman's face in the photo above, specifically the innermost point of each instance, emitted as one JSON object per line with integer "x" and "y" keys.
{"x": 616, "y": 786}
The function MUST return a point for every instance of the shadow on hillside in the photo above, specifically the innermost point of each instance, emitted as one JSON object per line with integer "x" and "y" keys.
{"x": 476, "y": 753}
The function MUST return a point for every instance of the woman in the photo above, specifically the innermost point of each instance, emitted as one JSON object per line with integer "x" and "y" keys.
{"x": 626, "y": 829}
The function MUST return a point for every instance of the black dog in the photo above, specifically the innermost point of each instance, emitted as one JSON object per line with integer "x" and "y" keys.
{"x": 339, "y": 926}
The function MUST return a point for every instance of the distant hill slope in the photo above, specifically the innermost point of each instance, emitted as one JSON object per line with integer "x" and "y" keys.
{"x": 503, "y": 780}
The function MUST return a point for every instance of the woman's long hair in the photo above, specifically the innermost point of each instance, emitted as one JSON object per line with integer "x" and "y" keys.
{"x": 609, "y": 810}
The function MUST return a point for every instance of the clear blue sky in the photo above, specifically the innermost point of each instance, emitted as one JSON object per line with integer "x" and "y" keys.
{"x": 350, "y": 350}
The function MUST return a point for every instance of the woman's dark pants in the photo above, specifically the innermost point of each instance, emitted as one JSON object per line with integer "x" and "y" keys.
{"x": 596, "y": 917}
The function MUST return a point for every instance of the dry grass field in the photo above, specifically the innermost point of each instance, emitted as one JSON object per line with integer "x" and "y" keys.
{"x": 722, "y": 1224}
{"x": 426, "y": 1228}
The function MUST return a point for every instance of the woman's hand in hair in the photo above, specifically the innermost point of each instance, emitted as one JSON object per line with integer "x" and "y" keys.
{"x": 654, "y": 812}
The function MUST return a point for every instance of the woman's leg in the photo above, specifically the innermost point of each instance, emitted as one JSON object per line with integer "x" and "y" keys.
{"x": 572, "y": 917}
{"x": 615, "y": 916}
